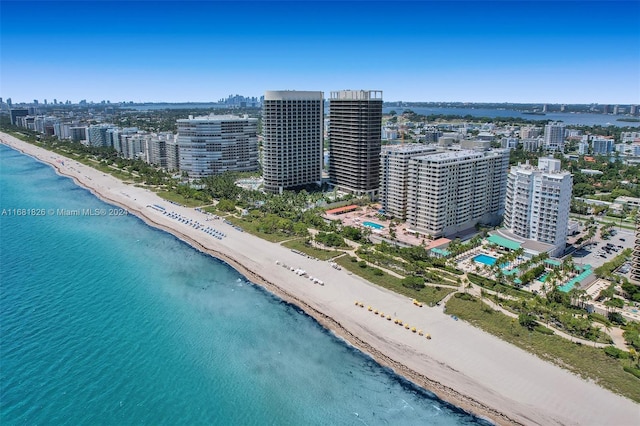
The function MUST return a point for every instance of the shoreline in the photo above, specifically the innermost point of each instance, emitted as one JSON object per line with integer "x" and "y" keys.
{"x": 455, "y": 381}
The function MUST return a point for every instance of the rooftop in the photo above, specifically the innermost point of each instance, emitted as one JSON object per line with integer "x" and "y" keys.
{"x": 213, "y": 118}
{"x": 341, "y": 210}
{"x": 503, "y": 242}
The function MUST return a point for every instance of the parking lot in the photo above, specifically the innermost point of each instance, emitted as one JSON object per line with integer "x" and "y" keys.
{"x": 602, "y": 251}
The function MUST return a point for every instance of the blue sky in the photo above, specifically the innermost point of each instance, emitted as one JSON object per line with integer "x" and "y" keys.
{"x": 474, "y": 51}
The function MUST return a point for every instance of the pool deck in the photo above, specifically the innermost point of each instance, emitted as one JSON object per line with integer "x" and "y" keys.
{"x": 483, "y": 259}
{"x": 369, "y": 214}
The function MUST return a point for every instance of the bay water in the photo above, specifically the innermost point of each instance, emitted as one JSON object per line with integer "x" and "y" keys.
{"x": 105, "y": 320}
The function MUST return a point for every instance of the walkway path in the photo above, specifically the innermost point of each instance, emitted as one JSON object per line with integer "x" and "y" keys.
{"x": 616, "y": 335}
{"x": 476, "y": 291}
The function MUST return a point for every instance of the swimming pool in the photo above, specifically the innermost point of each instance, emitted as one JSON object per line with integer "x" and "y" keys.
{"x": 485, "y": 259}
{"x": 373, "y": 225}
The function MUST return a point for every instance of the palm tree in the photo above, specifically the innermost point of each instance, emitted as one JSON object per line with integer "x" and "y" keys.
{"x": 573, "y": 296}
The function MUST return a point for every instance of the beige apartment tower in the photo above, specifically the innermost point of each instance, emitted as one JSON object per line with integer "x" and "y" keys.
{"x": 394, "y": 176}
{"x": 451, "y": 192}
{"x": 292, "y": 129}
{"x": 355, "y": 129}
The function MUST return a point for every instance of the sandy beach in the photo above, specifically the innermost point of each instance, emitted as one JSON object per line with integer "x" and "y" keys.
{"x": 460, "y": 364}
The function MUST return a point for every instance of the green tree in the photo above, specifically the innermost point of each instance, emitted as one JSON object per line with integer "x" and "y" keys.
{"x": 415, "y": 283}
{"x": 226, "y": 205}
{"x": 527, "y": 320}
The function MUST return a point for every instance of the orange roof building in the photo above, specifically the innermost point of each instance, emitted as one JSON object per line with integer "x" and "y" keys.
{"x": 342, "y": 210}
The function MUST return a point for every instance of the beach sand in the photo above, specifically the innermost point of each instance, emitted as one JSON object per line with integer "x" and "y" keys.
{"x": 461, "y": 364}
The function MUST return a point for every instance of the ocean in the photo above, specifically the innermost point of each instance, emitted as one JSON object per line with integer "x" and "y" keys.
{"x": 105, "y": 320}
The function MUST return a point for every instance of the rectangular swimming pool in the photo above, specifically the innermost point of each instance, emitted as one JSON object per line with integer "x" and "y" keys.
{"x": 373, "y": 225}
{"x": 485, "y": 259}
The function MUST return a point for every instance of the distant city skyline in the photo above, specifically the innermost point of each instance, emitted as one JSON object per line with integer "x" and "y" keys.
{"x": 201, "y": 51}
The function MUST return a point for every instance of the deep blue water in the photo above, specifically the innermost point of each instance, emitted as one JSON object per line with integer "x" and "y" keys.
{"x": 581, "y": 119}
{"x": 104, "y": 320}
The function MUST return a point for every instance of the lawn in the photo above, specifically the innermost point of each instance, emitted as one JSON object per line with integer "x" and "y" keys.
{"x": 177, "y": 198}
{"x": 253, "y": 228}
{"x": 311, "y": 251}
{"x": 586, "y": 361}
{"x": 428, "y": 295}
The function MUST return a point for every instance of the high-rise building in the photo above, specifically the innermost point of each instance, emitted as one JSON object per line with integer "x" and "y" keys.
{"x": 157, "y": 152}
{"x": 583, "y": 148}
{"x": 215, "y": 144}
{"x": 529, "y": 132}
{"x": 602, "y": 146}
{"x": 134, "y": 146}
{"x": 531, "y": 144}
{"x": 554, "y": 137}
{"x": 17, "y": 112}
{"x": 292, "y": 129}
{"x": 538, "y": 202}
{"x": 355, "y": 122}
{"x": 394, "y": 176}
{"x": 78, "y": 134}
{"x": 453, "y": 191}
{"x": 98, "y": 134}
{"x": 173, "y": 154}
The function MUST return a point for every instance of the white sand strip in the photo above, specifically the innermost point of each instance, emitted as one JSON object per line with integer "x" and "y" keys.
{"x": 461, "y": 364}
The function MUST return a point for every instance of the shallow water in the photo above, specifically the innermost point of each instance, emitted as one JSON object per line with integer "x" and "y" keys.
{"x": 105, "y": 320}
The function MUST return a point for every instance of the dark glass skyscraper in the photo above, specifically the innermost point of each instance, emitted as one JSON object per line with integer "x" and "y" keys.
{"x": 355, "y": 121}
{"x": 292, "y": 146}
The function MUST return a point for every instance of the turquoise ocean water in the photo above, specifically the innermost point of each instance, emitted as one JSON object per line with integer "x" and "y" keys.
{"x": 105, "y": 320}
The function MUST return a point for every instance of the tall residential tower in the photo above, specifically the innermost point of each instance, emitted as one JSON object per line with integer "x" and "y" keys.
{"x": 394, "y": 176}
{"x": 292, "y": 128}
{"x": 355, "y": 127}
{"x": 215, "y": 144}
{"x": 538, "y": 202}
{"x": 554, "y": 137}
{"x": 451, "y": 192}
